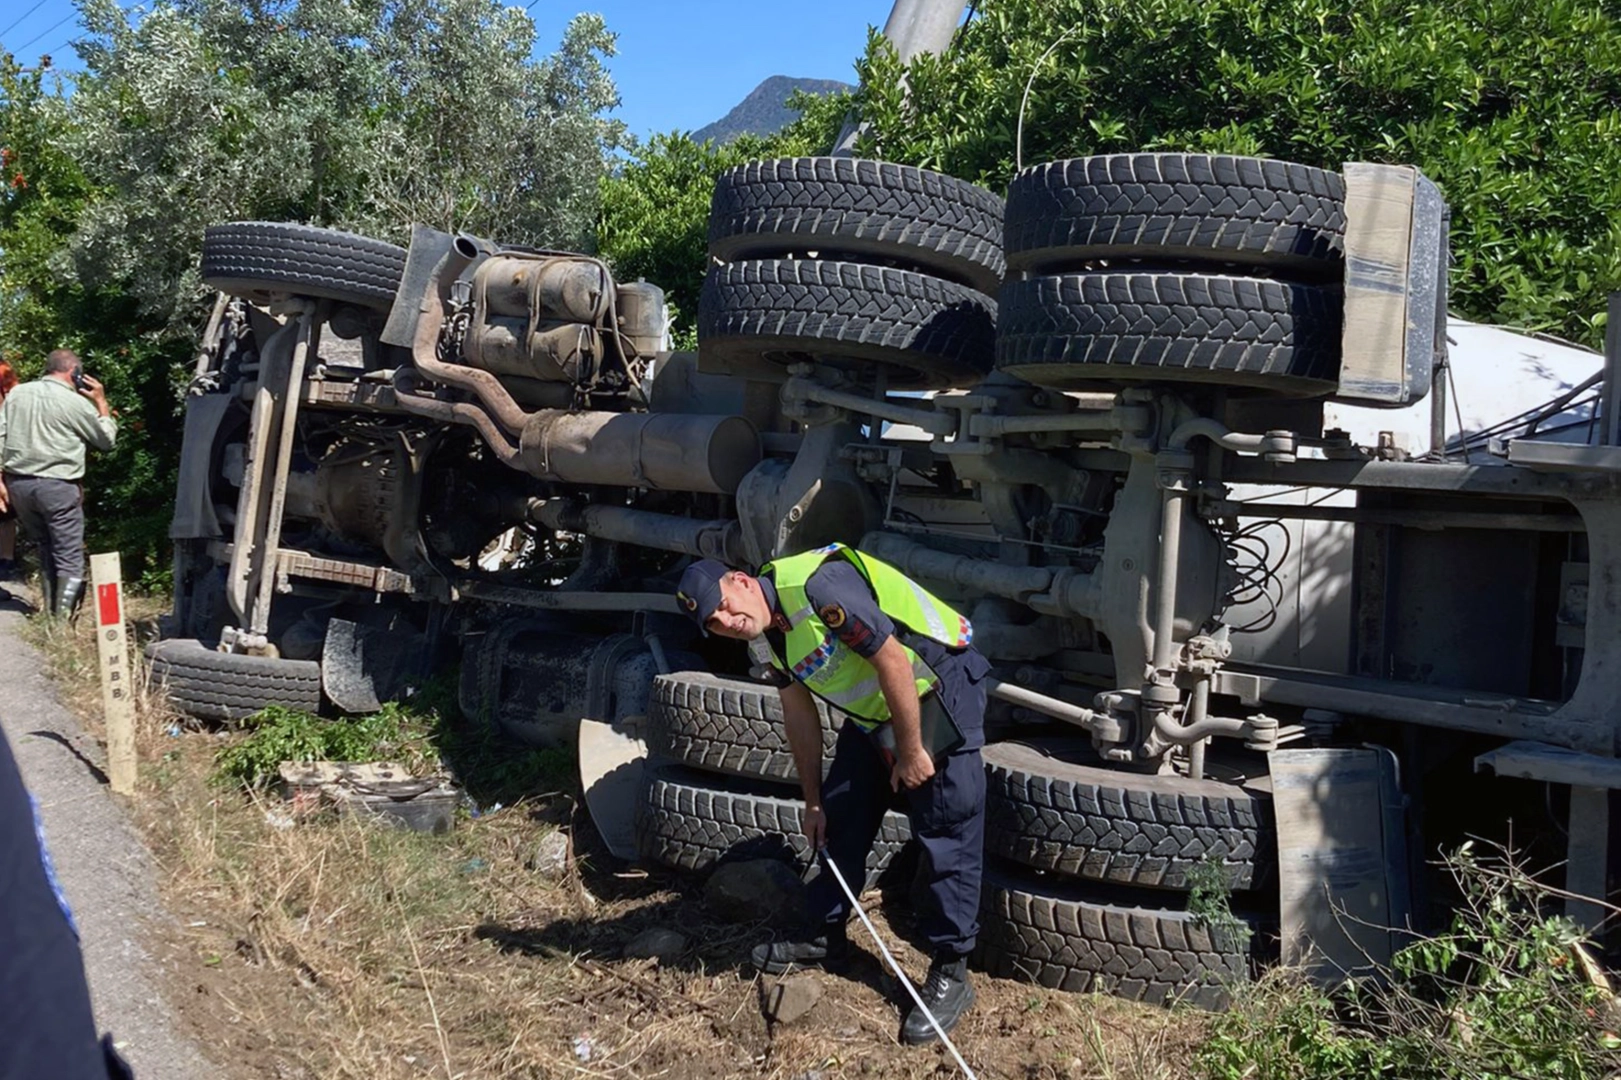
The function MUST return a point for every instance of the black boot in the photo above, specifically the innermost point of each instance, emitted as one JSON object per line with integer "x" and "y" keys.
{"x": 947, "y": 993}
{"x": 68, "y": 592}
{"x": 827, "y": 949}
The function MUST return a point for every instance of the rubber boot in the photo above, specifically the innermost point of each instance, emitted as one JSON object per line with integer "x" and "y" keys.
{"x": 69, "y": 590}
{"x": 825, "y": 950}
{"x": 47, "y": 595}
{"x": 947, "y": 993}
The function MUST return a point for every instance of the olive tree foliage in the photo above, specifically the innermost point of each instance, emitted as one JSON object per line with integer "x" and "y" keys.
{"x": 359, "y": 114}
{"x": 42, "y": 306}
{"x": 481, "y": 138}
{"x": 1513, "y": 108}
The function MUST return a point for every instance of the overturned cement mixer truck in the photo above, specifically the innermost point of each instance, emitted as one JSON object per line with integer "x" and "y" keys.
{"x": 1133, "y": 421}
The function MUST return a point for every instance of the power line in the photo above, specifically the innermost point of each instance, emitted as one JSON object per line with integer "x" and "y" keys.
{"x": 69, "y": 39}
{"x": 51, "y": 30}
{"x": 21, "y": 17}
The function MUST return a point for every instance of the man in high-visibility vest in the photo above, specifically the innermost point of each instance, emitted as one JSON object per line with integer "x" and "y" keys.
{"x": 899, "y": 663}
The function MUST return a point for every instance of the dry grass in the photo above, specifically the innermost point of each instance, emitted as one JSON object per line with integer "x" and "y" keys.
{"x": 338, "y": 949}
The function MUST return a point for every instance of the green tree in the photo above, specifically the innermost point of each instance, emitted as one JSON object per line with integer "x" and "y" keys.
{"x": 1513, "y": 108}
{"x": 361, "y": 116}
{"x": 654, "y": 220}
{"x": 357, "y": 114}
{"x": 44, "y": 304}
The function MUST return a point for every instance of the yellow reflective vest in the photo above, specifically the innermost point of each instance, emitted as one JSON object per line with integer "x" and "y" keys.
{"x": 814, "y": 655}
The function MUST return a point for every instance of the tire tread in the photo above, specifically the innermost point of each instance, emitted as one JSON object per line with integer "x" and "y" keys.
{"x": 1161, "y": 956}
{"x": 211, "y": 685}
{"x": 724, "y": 725}
{"x": 1073, "y": 329}
{"x": 1049, "y": 809}
{"x": 255, "y": 258}
{"x": 933, "y": 333}
{"x": 685, "y": 824}
{"x": 938, "y": 222}
{"x": 1207, "y": 207}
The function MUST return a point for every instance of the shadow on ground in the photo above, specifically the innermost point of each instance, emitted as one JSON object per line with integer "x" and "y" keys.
{"x": 651, "y": 898}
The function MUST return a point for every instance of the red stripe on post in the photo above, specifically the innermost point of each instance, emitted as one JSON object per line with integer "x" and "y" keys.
{"x": 107, "y": 604}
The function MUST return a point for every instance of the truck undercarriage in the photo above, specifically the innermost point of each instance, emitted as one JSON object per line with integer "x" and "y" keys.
{"x": 1131, "y": 421}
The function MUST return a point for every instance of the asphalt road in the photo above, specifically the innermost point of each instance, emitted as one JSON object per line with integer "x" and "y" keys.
{"x": 105, "y": 869}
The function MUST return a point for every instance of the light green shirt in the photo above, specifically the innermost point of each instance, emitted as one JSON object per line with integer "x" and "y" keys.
{"x": 45, "y": 426}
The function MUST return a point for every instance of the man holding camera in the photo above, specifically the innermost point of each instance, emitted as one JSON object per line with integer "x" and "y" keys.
{"x": 45, "y": 427}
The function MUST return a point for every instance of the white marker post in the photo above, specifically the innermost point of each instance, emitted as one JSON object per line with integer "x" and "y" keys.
{"x": 117, "y": 700}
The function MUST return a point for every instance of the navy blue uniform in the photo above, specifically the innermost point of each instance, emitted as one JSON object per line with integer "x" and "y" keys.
{"x": 43, "y": 995}
{"x": 947, "y": 812}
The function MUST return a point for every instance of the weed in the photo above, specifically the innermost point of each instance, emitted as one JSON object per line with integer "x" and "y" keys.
{"x": 278, "y": 734}
{"x": 1209, "y": 901}
{"x": 1506, "y": 992}
{"x": 426, "y": 732}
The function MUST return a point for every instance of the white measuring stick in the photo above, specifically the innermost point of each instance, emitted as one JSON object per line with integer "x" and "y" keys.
{"x": 827, "y": 861}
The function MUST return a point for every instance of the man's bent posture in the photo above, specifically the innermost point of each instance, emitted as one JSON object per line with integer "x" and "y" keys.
{"x": 897, "y": 661}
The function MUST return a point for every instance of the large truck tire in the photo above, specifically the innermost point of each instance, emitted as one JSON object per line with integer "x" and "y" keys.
{"x": 689, "y": 821}
{"x": 725, "y": 725}
{"x": 213, "y": 685}
{"x": 853, "y": 208}
{"x": 1160, "y": 207}
{"x": 1072, "y": 331}
{"x": 1050, "y": 806}
{"x": 928, "y": 333}
{"x": 1070, "y": 939}
{"x": 261, "y": 259}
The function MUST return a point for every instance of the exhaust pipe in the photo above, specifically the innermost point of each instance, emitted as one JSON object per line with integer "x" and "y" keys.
{"x": 425, "y": 348}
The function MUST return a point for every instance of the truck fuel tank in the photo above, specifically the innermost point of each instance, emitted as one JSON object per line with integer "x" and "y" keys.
{"x": 643, "y": 450}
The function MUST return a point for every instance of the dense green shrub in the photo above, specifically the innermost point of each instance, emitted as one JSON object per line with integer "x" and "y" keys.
{"x": 1514, "y": 108}
{"x": 425, "y": 733}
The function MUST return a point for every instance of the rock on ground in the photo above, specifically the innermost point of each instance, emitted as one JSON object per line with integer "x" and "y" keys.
{"x": 657, "y": 943}
{"x": 792, "y": 998}
{"x": 756, "y": 889}
{"x": 550, "y": 857}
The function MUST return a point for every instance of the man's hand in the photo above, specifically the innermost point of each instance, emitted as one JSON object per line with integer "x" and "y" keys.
{"x": 814, "y": 826}
{"x": 95, "y": 392}
{"x": 911, "y": 770}
{"x": 913, "y": 766}
{"x": 5, "y": 498}
{"x": 804, "y": 726}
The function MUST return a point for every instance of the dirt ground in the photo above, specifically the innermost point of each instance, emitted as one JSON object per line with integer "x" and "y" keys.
{"x": 333, "y": 948}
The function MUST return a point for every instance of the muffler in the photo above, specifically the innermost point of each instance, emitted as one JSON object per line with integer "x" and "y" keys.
{"x": 663, "y": 451}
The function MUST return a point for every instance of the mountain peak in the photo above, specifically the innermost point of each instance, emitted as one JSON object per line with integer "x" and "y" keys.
{"x": 765, "y": 111}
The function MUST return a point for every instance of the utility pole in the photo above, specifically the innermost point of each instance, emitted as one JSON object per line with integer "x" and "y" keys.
{"x": 914, "y": 27}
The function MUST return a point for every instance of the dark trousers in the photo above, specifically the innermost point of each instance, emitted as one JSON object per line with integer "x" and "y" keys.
{"x": 948, "y": 820}
{"x": 49, "y": 1028}
{"x": 52, "y": 514}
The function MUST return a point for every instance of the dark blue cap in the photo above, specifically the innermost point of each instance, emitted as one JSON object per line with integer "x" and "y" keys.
{"x": 699, "y": 591}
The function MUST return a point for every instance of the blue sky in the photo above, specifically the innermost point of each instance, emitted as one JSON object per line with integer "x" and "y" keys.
{"x": 681, "y": 63}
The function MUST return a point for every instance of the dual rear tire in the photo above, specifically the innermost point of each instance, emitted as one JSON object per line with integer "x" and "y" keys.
{"x": 1176, "y": 268}
{"x": 1090, "y": 870}
{"x": 1120, "y": 269}
{"x": 865, "y": 266}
